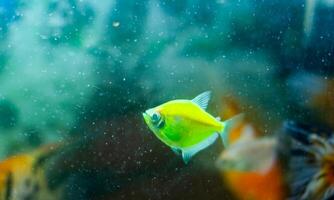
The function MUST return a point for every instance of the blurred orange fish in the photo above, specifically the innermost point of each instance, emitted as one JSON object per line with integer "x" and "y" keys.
{"x": 249, "y": 165}
{"x": 22, "y": 176}
{"x": 229, "y": 109}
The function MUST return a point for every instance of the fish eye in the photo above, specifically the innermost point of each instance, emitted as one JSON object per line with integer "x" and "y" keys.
{"x": 156, "y": 117}
{"x": 157, "y": 120}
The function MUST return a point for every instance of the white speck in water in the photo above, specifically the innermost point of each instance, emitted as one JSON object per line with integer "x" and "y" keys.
{"x": 115, "y": 24}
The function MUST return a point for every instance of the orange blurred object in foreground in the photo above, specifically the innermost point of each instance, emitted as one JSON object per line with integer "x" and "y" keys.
{"x": 22, "y": 176}
{"x": 251, "y": 170}
{"x": 249, "y": 164}
{"x": 12, "y": 169}
{"x": 256, "y": 185}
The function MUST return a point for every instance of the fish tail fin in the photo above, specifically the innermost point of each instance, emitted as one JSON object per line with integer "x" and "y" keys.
{"x": 227, "y": 127}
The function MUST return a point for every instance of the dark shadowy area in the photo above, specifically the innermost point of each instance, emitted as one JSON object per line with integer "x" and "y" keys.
{"x": 102, "y": 167}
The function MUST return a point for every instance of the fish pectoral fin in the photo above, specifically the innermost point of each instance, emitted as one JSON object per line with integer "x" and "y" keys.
{"x": 202, "y": 100}
{"x": 177, "y": 151}
{"x": 189, "y": 152}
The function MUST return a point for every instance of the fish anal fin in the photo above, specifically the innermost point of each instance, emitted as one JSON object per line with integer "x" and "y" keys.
{"x": 177, "y": 151}
{"x": 189, "y": 152}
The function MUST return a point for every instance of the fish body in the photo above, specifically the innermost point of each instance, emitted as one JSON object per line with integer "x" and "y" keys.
{"x": 185, "y": 126}
{"x": 256, "y": 155}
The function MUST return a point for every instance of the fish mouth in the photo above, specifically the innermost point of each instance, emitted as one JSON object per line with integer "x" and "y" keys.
{"x": 146, "y": 116}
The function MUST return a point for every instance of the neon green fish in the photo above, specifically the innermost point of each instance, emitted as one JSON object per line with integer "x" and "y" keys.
{"x": 185, "y": 126}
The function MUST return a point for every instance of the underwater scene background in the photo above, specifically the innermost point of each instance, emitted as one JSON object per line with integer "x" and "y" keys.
{"x": 76, "y": 76}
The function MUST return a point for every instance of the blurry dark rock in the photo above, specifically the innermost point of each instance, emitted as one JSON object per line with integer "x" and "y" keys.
{"x": 277, "y": 27}
{"x": 123, "y": 72}
{"x": 313, "y": 101}
{"x": 118, "y": 92}
{"x": 128, "y": 162}
{"x": 9, "y": 114}
{"x": 29, "y": 139}
{"x": 33, "y": 136}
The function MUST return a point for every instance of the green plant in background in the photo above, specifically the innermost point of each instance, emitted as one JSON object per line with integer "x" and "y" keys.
{"x": 43, "y": 84}
{"x": 82, "y": 62}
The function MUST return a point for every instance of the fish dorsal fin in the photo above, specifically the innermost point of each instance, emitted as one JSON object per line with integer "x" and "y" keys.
{"x": 202, "y": 99}
{"x": 189, "y": 152}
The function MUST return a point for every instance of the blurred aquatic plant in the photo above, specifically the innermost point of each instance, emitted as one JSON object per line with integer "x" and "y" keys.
{"x": 66, "y": 21}
{"x": 8, "y": 14}
{"x": 126, "y": 23}
{"x": 141, "y": 53}
{"x": 57, "y": 82}
{"x": 125, "y": 58}
{"x": 319, "y": 41}
{"x": 311, "y": 150}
